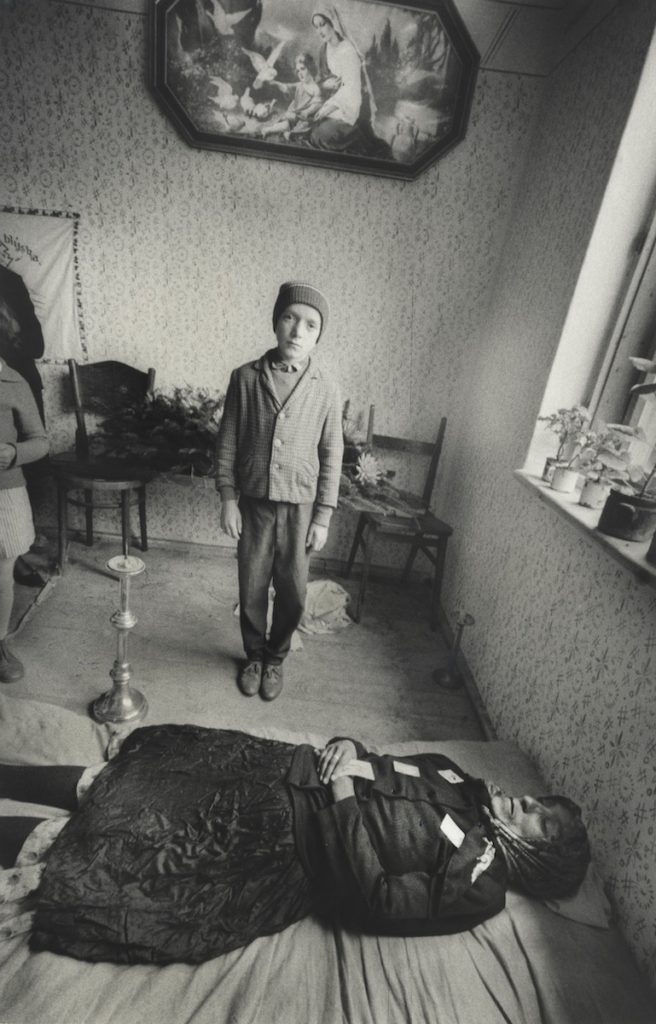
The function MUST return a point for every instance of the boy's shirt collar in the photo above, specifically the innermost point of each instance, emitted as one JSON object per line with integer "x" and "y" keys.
{"x": 263, "y": 365}
{"x": 279, "y": 364}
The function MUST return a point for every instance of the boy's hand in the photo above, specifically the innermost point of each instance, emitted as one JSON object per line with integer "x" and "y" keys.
{"x": 231, "y": 518}
{"x": 317, "y": 537}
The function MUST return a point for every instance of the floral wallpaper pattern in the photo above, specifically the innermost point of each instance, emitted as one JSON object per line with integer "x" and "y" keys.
{"x": 564, "y": 646}
{"x": 447, "y": 297}
{"x": 181, "y": 251}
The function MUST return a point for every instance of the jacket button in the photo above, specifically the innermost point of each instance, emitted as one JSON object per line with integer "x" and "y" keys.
{"x": 277, "y": 443}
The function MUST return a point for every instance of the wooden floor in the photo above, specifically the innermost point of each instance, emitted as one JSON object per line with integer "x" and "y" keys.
{"x": 373, "y": 680}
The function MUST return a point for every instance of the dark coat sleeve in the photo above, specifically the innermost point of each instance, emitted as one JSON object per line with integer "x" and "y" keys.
{"x": 447, "y": 899}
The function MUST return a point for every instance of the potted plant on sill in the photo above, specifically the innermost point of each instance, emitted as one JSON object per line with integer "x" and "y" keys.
{"x": 604, "y": 462}
{"x": 630, "y": 509}
{"x": 569, "y": 426}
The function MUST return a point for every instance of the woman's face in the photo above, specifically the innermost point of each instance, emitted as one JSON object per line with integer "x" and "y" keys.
{"x": 326, "y": 31}
{"x": 527, "y": 817}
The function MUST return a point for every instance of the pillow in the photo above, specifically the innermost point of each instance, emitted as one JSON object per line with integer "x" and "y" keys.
{"x": 587, "y": 906}
{"x": 36, "y": 733}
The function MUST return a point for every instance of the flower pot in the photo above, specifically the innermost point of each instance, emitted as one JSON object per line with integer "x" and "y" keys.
{"x": 628, "y": 516}
{"x": 594, "y": 494}
{"x": 549, "y": 467}
{"x": 563, "y": 479}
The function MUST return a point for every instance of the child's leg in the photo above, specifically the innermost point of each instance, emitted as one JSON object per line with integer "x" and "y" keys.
{"x": 13, "y": 833}
{"x": 53, "y": 785}
{"x": 6, "y": 594}
{"x": 11, "y": 669}
{"x": 290, "y": 576}
{"x": 255, "y": 559}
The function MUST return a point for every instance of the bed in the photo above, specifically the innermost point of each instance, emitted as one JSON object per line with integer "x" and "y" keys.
{"x": 531, "y": 964}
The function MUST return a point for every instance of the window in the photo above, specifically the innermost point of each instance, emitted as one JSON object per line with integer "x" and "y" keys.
{"x": 612, "y": 314}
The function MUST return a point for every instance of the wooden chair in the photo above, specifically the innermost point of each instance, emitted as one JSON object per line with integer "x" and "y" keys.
{"x": 422, "y": 531}
{"x": 90, "y": 482}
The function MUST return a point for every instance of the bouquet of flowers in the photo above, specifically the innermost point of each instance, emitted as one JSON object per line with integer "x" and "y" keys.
{"x": 174, "y": 433}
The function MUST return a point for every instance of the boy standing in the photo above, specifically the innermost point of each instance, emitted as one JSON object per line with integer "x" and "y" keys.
{"x": 280, "y": 446}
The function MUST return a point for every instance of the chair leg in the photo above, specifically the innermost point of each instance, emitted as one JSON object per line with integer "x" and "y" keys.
{"x": 88, "y": 516}
{"x": 142, "y": 519}
{"x": 62, "y": 526}
{"x": 368, "y": 551}
{"x": 354, "y": 546}
{"x": 440, "y": 558}
{"x": 410, "y": 561}
{"x": 125, "y": 521}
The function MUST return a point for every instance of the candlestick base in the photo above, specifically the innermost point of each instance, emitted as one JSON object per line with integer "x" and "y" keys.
{"x": 448, "y": 677}
{"x": 121, "y": 704}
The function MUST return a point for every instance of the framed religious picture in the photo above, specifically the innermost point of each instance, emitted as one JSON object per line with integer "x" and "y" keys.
{"x": 363, "y": 85}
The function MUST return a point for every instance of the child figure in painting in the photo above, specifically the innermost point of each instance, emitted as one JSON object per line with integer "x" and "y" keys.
{"x": 307, "y": 100}
{"x": 279, "y": 458}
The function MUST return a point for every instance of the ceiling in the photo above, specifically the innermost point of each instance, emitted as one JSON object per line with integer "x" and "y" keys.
{"x": 527, "y": 37}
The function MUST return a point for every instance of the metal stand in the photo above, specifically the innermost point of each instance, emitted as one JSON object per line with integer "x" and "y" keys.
{"x": 122, "y": 703}
{"x": 449, "y": 677}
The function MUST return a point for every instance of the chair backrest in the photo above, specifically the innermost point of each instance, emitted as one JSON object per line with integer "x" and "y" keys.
{"x": 432, "y": 450}
{"x": 100, "y": 388}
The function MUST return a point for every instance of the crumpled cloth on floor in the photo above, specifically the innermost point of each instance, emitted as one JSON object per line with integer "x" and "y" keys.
{"x": 325, "y": 610}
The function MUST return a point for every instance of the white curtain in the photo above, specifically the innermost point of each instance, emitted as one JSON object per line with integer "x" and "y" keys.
{"x": 41, "y": 248}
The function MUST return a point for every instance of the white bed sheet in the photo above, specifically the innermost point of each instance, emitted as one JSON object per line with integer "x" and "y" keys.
{"x": 527, "y": 965}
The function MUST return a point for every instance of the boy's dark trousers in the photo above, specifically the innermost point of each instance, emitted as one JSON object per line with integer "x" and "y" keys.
{"x": 272, "y": 549}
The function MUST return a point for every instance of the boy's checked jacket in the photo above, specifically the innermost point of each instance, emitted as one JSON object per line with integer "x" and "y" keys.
{"x": 291, "y": 452}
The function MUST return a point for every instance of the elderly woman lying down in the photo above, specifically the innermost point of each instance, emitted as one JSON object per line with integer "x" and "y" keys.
{"x": 192, "y": 842}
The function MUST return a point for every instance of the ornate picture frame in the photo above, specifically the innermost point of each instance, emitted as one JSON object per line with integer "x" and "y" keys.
{"x": 363, "y": 85}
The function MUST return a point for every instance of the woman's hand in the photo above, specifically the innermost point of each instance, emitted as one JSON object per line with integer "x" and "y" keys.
{"x": 333, "y": 760}
{"x": 231, "y": 518}
{"x": 331, "y": 84}
{"x": 342, "y": 788}
{"x": 7, "y": 455}
{"x": 325, "y": 111}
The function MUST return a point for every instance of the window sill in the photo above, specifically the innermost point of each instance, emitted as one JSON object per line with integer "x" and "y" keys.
{"x": 628, "y": 553}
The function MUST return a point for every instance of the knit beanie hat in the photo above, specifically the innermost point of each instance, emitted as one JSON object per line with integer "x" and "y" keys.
{"x": 297, "y": 291}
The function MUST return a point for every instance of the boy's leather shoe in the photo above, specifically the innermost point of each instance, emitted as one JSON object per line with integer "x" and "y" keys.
{"x": 11, "y": 669}
{"x": 250, "y": 677}
{"x": 271, "y": 682}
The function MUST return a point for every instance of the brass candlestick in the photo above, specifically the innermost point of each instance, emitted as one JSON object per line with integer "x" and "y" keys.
{"x": 450, "y": 677}
{"x": 122, "y": 703}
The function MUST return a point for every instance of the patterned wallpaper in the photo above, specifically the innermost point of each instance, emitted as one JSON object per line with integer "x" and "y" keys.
{"x": 181, "y": 253}
{"x": 564, "y": 646}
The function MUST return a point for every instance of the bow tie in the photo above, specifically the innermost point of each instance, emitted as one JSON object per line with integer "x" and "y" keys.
{"x": 285, "y": 367}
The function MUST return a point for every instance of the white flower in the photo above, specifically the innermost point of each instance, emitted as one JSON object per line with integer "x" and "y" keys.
{"x": 367, "y": 469}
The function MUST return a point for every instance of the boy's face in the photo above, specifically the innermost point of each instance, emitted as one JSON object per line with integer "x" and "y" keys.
{"x": 297, "y": 332}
